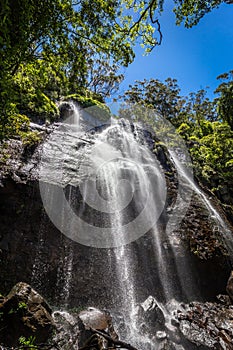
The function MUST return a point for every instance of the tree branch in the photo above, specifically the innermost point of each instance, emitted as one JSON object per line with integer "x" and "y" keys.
{"x": 115, "y": 342}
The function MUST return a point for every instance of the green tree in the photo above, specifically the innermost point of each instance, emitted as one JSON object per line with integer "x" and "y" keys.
{"x": 199, "y": 108}
{"x": 225, "y": 99}
{"x": 44, "y": 44}
{"x": 28, "y": 27}
{"x": 191, "y": 11}
{"x": 212, "y": 154}
{"x": 164, "y": 97}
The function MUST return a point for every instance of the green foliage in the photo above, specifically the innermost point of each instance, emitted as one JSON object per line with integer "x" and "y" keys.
{"x": 54, "y": 48}
{"x": 103, "y": 78}
{"x": 85, "y": 102}
{"x": 31, "y": 138}
{"x": 31, "y": 27}
{"x": 28, "y": 342}
{"x": 184, "y": 130}
{"x": 51, "y": 49}
{"x": 225, "y": 99}
{"x": 164, "y": 97}
{"x": 191, "y": 11}
{"x": 30, "y": 84}
{"x": 113, "y": 27}
{"x": 212, "y": 154}
{"x": 12, "y": 311}
{"x": 13, "y": 125}
{"x": 154, "y": 94}
{"x": 22, "y": 305}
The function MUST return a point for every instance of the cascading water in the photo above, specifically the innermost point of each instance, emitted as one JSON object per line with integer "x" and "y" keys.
{"x": 129, "y": 173}
{"x": 214, "y": 215}
{"x": 122, "y": 195}
{"x": 39, "y": 268}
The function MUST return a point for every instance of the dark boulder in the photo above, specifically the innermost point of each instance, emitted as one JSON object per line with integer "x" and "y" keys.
{"x": 97, "y": 319}
{"x": 66, "y": 109}
{"x": 24, "y": 313}
{"x": 152, "y": 313}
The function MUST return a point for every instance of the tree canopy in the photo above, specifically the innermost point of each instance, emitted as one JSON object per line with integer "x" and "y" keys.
{"x": 191, "y": 11}
{"x": 51, "y": 49}
{"x": 29, "y": 27}
{"x": 225, "y": 99}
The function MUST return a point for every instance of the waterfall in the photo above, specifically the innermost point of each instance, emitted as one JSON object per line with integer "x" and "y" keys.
{"x": 128, "y": 175}
{"x": 107, "y": 189}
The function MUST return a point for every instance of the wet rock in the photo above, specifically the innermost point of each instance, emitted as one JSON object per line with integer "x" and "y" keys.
{"x": 97, "y": 319}
{"x": 66, "y": 109}
{"x": 151, "y": 313}
{"x": 224, "y": 299}
{"x": 25, "y": 313}
{"x": 229, "y": 287}
{"x": 207, "y": 324}
{"x": 32, "y": 249}
{"x": 167, "y": 345}
{"x": 226, "y": 340}
{"x": 70, "y": 330}
{"x": 160, "y": 335}
{"x": 77, "y": 330}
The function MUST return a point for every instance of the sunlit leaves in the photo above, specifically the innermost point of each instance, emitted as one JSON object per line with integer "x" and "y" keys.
{"x": 225, "y": 99}
{"x": 139, "y": 22}
{"x": 191, "y": 11}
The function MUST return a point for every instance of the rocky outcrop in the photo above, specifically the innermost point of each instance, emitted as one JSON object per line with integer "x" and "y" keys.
{"x": 24, "y": 313}
{"x": 86, "y": 328}
{"x": 27, "y": 320}
{"x": 208, "y": 324}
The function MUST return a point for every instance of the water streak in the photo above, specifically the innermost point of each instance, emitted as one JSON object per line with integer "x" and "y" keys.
{"x": 214, "y": 215}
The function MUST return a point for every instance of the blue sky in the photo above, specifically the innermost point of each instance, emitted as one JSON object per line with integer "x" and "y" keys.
{"x": 195, "y": 57}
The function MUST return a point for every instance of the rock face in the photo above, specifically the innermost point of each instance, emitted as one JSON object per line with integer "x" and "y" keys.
{"x": 75, "y": 276}
{"x": 24, "y": 313}
{"x": 65, "y": 272}
{"x": 66, "y": 110}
